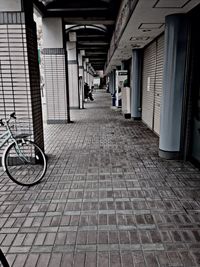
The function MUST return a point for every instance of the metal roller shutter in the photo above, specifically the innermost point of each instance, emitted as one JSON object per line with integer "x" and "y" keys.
{"x": 158, "y": 83}
{"x": 148, "y": 80}
{"x": 152, "y": 83}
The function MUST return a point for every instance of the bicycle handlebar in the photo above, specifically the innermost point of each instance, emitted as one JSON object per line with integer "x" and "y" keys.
{"x": 4, "y": 122}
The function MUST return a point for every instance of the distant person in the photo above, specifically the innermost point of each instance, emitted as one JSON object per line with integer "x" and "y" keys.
{"x": 87, "y": 92}
{"x": 90, "y": 95}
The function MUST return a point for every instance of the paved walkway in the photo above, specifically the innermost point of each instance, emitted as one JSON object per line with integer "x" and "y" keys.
{"x": 107, "y": 200}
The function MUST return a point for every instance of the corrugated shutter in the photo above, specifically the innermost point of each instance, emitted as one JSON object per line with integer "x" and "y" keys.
{"x": 158, "y": 84}
{"x": 152, "y": 83}
{"x": 148, "y": 80}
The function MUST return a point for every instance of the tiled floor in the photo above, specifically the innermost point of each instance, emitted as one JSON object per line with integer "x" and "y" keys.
{"x": 107, "y": 199}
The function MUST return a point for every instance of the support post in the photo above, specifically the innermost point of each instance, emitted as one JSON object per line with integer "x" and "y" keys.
{"x": 136, "y": 84}
{"x": 176, "y": 42}
{"x": 73, "y": 71}
{"x": 55, "y": 71}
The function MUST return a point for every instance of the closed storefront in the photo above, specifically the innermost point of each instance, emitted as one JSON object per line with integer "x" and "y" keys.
{"x": 148, "y": 80}
{"x": 152, "y": 83}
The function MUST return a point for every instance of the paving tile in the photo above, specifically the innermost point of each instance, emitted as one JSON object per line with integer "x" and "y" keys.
{"x": 55, "y": 260}
{"x": 43, "y": 260}
{"x": 91, "y": 259}
{"x": 20, "y": 260}
{"x": 67, "y": 260}
{"x": 79, "y": 259}
{"x": 151, "y": 259}
{"x": 103, "y": 259}
{"x": 32, "y": 260}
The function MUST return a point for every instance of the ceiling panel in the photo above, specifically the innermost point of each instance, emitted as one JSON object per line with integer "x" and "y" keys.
{"x": 171, "y": 3}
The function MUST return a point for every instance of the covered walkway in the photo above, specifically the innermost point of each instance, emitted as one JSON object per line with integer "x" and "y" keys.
{"x": 107, "y": 199}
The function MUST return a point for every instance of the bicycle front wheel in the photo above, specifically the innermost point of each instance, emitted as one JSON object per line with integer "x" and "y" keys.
{"x": 25, "y": 162}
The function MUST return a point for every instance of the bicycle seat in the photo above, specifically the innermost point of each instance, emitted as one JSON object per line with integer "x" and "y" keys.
{"x": 22, "y": 135}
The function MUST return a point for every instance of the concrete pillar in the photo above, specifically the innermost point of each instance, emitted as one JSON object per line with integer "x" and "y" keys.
{"x": 176, "y": 42}
{"x": 90, "y": 75}
{"x": 136, "y": 84}
{"x": 112, "y": 86}
{"x": 55, "y": 71}
{"x": 91, "y": 80}
{"x": 85, "y": 70}
{"x": 81, "y": 78}
{"x": 111, "y": 82}
{"x": 73, "y": 71}
{"x": 19, "y": 68}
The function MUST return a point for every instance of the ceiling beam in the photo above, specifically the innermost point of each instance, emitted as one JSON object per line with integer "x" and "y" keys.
{"x": 91, "y": 42}
{"x": 83, "y": 47}
{"x": 71, "y": 9}
{"x": 102, "y": 57}
{"x": 96, "y": 53}
{"x": 93, "y": 60}
{"x": 86, "y": 21}
{"x": 90, "y": 35}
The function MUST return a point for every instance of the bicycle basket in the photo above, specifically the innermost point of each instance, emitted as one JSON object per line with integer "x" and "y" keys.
{"x": 22, "y": 127}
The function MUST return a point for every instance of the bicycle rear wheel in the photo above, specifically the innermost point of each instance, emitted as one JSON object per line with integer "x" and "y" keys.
{"x": 25, "y": 163}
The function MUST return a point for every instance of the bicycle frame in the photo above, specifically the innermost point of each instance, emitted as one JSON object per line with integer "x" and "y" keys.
{"x": 5, "y": 136}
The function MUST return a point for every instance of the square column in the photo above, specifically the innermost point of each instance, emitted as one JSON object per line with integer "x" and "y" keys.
{"x": 85, "y": 70}
{"x": 112, "y": 86}
{"x": 175, "y": 66}
{"x": 72, "y": 62}
{"x": 19, "y": 67}
{"x": 90, "y": 78}
{"x": 136, "y": 84}
{"x": 81, "y": 78}
{"x": 55, "y": 71}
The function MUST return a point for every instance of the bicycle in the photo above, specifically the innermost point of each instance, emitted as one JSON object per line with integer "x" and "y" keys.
{"x": 22, "y": 160}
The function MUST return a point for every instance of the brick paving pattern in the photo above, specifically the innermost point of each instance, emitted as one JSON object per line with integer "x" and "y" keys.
{"x": 107, "y": 199}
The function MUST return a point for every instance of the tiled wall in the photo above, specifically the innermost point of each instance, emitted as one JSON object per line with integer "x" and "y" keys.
{"x": 73, "y": 85}
{"x": 55, "y": 84}
{"x": 19, "y": 73}
{"x": 73, "y": 74}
